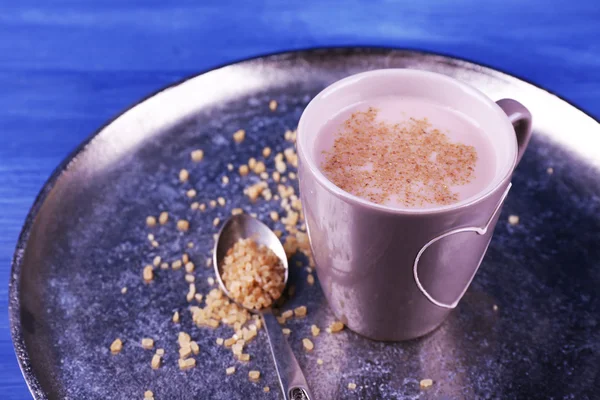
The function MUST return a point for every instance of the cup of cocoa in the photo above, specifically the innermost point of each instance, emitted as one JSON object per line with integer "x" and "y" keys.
{"x": 402, "y": 175}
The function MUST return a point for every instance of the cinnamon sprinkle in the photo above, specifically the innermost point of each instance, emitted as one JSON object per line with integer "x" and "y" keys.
{"x": 410, "y": 163}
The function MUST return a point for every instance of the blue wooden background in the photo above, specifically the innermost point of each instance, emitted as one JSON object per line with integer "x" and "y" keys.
{"x": 68, "y": 66}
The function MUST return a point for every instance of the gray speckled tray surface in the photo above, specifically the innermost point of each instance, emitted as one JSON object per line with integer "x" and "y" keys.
{"x": 86, "y": 238}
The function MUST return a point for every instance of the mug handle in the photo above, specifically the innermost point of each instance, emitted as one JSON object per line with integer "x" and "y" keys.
{"x": 520, "y": 117}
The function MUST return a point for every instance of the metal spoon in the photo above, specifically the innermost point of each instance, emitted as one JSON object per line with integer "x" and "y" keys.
{"x": 243, "y": 226}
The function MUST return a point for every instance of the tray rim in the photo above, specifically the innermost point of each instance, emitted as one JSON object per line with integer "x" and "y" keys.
{"x": 14, "y": 304}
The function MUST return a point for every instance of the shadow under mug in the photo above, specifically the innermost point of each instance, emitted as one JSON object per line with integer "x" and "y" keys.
{"x": 390, "y": 273}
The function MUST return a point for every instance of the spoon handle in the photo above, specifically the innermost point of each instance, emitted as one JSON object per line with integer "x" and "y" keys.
{"x": 292, "y": 381}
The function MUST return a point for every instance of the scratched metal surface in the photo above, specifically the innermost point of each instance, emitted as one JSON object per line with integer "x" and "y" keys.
{"x": 85, "y": 239}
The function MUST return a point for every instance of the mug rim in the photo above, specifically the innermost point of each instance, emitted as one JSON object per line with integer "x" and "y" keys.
{"x": 359, "y": 201}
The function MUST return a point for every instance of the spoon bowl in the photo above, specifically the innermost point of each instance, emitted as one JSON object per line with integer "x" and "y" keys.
{"x": 244, "y": 226}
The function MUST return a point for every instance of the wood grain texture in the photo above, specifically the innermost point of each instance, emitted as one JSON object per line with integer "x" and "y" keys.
{"x": 68, "y": 66}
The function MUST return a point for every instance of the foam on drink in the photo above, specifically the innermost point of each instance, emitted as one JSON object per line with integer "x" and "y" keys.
{"x": 405, "y": 153}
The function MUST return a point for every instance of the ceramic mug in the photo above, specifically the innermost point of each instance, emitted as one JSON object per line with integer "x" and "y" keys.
{"x": 396, "y": 273}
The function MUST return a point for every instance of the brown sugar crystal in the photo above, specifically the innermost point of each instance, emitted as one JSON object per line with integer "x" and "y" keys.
{"x": 186, "y": 364}
{"x": 315, "y": 330}
{"x": 253, "y": 274}
{"x": 155, "y": 362}
{"x": 183, "y": 225}
{"x": 148, "y": 273}
{"x": 197, "y": 155}
{"x": 148, "y": 343}
{"x": 239, "y": 136}
{"x": 254, "y": 375}
{"x": 184, "y": 175}
{"x": 300, "y": 311}
{"x": 410, "y": 162}
{"x": 336, "y": 327}
{"x": 116, "y": 346}
{"x": 425, "y": 383}
{"x": 308, "y": 344}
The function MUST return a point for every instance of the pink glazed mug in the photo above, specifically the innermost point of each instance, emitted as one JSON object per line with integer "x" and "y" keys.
{"x": 393, "y": 273}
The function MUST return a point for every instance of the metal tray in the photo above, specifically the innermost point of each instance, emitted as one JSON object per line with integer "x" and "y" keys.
{"x": 85, "y": 238}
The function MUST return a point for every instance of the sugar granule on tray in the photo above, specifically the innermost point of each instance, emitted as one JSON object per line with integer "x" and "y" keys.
{"x": 163, "y": 217}
{"x": 287, "y": 314}
{"x": 308, "y": 344}
{"x": 186, "y": 364}
{"x": 155, "y": 362}
{"x": 254, "y": 375}
{"x": 148, "y": 273}
{"x": 148, "y": 343}
{"x": 239, "y": 136}
{"x": 336, "y": 327}
{"x": 183, "y": 225}
{"x": 253, "y": 274}
{"x": 300, "y": 311}
{"x": 315, "y": 330}
{"x": 116, "y": 346}
{"x": 184, "y": 175}
{"x": 197, "y": 155}
{"x": 425, "y": 383}
{"x": 189, "y": 267}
